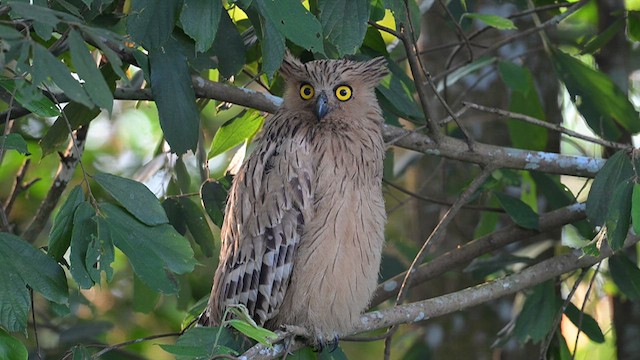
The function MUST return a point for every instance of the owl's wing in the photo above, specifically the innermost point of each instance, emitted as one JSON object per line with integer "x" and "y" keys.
{"x": 268, "y": 205}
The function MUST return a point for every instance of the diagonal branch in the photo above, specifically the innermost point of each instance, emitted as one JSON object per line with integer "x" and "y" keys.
{"x": 459, "y": 300}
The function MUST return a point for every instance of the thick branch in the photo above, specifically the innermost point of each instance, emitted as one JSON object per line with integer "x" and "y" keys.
{"x": 460, "y": 300}
{"x": 477, "y": 247}
{"x": 68, "y": 162}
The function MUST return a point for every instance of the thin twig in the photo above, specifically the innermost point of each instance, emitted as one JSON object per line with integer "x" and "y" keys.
{"x": 459, "y": 30}
{"x": 435, "y": 235}
{"x": 131, "y": 342}
{"x": 584, "y": 303}
{"x": 547, "y": 125}
{"x": 18, "y": 186}
{"x": 35, "y": 326}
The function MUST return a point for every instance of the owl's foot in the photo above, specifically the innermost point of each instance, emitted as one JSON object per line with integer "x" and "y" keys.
{"x": 317, "y": 342}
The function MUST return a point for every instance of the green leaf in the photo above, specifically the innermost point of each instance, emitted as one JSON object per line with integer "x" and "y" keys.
{"x": 175, "y": 98}
{"x": 228, "y": 47}
{"x": 294, "y": 22}
{"x": 273, "y": 47}
{"x": 397, "y": 89}
{"x": 256, "y": 333}
{"x": 155, "y": 252}
{"x": 175, "y": 215}
{"x": 12, "y": 348}
{"x": 60, "y": 235}
{"x": 329, "y": 353}
{"x": 635, "y": 208}
{"x": 619, "y": 214}
{"x": 599, "y": 100}
{"x": 626, "y": 275}
{"x": 203, "y": 343}
{"x": 20, "y": 265}
{"x": 58, "y": 134}
{"x": 633, "y": 25}
{"x": 344, "y": 23}
{"x": 30, "y": 97}
{"x": 46, "y": 65}
{"x": 538, "y": 313}
{"x": 95, "y": 84}
{"x": 597, "y": 42}
{"x": 200, "y": 19}
{"x": 144, "y": 298}
{"x": 235, "y": 131}
{"x": 587, "y": 324}
{"x": 85, "y": 231}
{"x": 494, "y": 21}
{"x": 198, "y": 226}
{"x": 464, "y": 71}
{"x": 151, "y": 22}
{"x": 518, "y": 211}
{"x": 97, "y": 36}
{"x": 516, "y": 77}
{"x": 10, "y": 33}
{"x": 14, "y": 141}
{"x": 214, "y": 197}
{"x": 616, "y": 170}
{"x": 80, "y": 353}
{"x": 135, "y": 197}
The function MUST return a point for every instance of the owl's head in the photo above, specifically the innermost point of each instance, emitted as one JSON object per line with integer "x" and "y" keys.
{"x": 332, "y": 89}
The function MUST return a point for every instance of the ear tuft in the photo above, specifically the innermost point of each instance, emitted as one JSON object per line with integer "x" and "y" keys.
{"x": 290, "y": 65}
{"x": 376, "y": 69}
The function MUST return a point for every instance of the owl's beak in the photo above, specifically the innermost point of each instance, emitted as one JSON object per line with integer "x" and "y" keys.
{"x": 322, "y": 106}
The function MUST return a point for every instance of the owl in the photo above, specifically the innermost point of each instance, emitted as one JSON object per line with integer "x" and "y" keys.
{"x": 304, "y": 223}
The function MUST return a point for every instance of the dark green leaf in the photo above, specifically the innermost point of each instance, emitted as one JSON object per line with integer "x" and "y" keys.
{"x": 60, "y": 235}
{"x": 202, "y": 343}
{"x": 144, "y": 298}
{"x": 626, "y": 275}
{"x": 135, "y": 197}
{"x": 538, "y": 313}
{"x": 289, "y": 17}
{"x": 47, "y": 65}
{"x": 198, "y": 226}
{"x": 597, "y": 97}
{"x": 616, "y": 170}
{"x": 88, "y": 71}
{"x": 80, "y": 353}
{"x": 273, "y": 47}
{"x": 114, "y": 60}
{"x": 604, "y": 37}
{"x": 175, "y": 98}
{"x": 619, "y": 214}
{"x": 31, "y": 98}
{"x": 398, "y": 89}
{"x": 229, "y": 47}
{"x": 585, "y": 323}
{"x": 494, "y": 21}
{"x": 373, "y": 40}
{"x": 329, "y": 353}
{"x": 58, "y": 134}
{"x": 85, "y": 231}
{"x": 20, "y": 265}
{"x": 633, "y": 25}
{"x": 344, "y": 23}
{"x": 635, "y": 208}
{"x": 516, "y": 77}
{"x": 9, "y": 33}
{"x": 151, "y": 22}
{"x": 377, "y": 10}
{"x": 11, "y": 348}
{"x": 174, "y": 213}
{"x": 518, "y": 211}
{"x": 235, "y": 131}
{"x": 14, "y": 304}
{"x": 214, "y": 197}
{"x": 14, "y": 142}
{"x": 155, "y": 252}
{"x": 200, "y": 19}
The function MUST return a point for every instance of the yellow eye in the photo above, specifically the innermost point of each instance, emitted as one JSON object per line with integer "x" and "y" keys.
{"x": 343, "y": 92}
{"x": 306, "y": 91}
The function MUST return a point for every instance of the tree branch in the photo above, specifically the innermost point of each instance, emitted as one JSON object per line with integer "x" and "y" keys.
{"x": 68, "y": 162}
{"x": 477, "y": 247}
{"x": 459, "y": 300}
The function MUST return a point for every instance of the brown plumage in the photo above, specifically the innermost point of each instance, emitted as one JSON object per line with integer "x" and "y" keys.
{"x": 304, "y": 223}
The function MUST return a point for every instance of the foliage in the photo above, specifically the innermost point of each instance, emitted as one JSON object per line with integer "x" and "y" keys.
{"x": 136, "y": 91}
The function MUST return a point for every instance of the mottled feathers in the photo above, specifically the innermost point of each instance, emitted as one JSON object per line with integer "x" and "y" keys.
{"x": 303, "y": 229}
